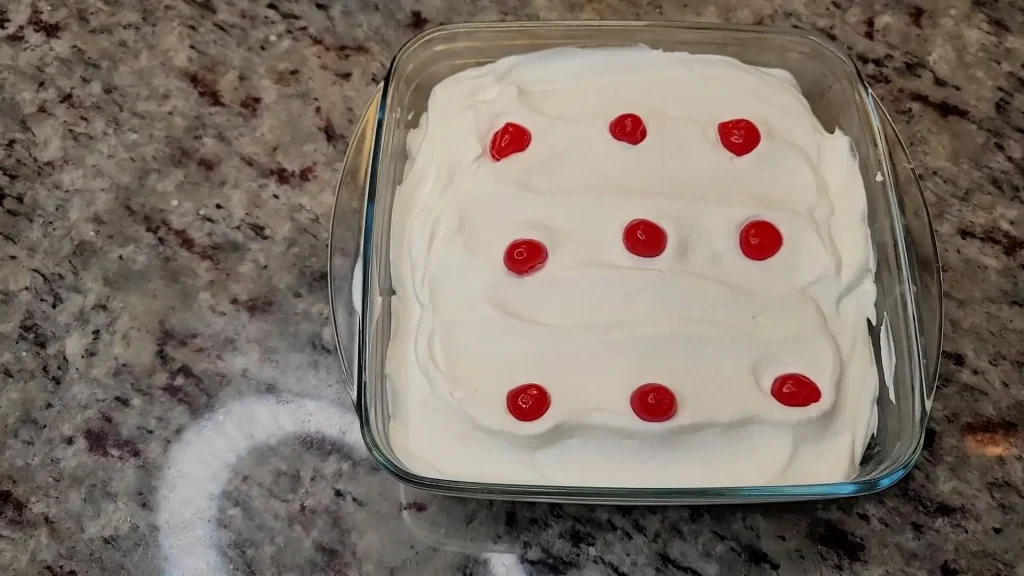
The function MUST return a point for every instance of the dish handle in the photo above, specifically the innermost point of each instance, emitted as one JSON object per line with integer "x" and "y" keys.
{"x": 345, "y": 247}
{"x": 922, "y": 252}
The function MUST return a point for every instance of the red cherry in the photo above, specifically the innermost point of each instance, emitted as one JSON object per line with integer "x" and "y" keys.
{"x": 628, "y": 128}
{"x": 653, "y": 402}
{"x": 644, "y": 238}
{"x": 760, "y": 240}
{"x": 528, "y": 402}
{"x": 525, "y": 256}
{"x": 739, "y": 136}
{"x": 508, "y": 140}
{"x": 795, "y": 390}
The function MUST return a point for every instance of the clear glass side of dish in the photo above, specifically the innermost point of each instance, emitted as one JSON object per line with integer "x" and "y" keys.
{"x": 909, "y": 288}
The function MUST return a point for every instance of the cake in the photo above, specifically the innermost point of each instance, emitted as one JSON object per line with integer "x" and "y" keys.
{"x": 629, "y": 267}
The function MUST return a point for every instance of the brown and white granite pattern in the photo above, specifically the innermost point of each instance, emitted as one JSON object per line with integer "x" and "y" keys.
{"x": 166, "y": 175}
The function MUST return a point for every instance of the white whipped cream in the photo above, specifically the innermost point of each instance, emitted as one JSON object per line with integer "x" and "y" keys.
{"x": 596, "y": 321}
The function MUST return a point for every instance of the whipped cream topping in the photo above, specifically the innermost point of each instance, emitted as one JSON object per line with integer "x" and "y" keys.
{"x": 596, "y": 321}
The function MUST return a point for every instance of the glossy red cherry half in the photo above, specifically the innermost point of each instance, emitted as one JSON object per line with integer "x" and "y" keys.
{"x": 760, "y": 240}
{"x": 795, "y": 390}
{"x": 739, "y": 136}
{"x": 528, "y": 402}
{"x": 653, "y": 402}
{"x": 644, "y": 238}
{"x": 525, "y": 256}
{"x": 628, "y": 128}
{"x": 510, "y": 139}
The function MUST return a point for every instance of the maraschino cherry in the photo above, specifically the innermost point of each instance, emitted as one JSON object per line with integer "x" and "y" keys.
{"x": 510, "y": 139}
{"x": 739, "y": 136}
{"x": 795, "y": 390}
{"x": 644, "y": 238}
{"x": 528, "y": 402}
{"x": 525, "y": 256}
{"x": 653, "y": 402}
{"x": 628, "y": 128}
{"x": 760, "y": 240}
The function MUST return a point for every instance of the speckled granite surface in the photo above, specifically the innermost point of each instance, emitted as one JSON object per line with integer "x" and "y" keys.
{"x": 166, "y": 174}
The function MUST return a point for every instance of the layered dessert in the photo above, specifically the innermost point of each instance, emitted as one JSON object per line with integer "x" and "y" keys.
{"x": 628, "y": 267}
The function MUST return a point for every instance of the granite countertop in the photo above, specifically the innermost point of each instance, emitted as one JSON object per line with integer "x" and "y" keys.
{"x": 170, "y": 397}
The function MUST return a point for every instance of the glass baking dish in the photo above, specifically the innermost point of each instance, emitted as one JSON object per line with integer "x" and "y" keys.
{"x": 907, "y": 274}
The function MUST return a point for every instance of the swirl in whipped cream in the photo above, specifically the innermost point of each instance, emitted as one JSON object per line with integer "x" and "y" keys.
{"x": 596, "y": 322}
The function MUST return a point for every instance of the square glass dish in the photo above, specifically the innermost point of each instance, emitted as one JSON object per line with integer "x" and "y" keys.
{"x": 907, "y": 268}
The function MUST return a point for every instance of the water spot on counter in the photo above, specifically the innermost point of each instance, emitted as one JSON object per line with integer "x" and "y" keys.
{"x": 842, "y": 543}
{"x": 417, "y": 21}
{"x": 206, "y": 88}
{"x": 199, "y": 465}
